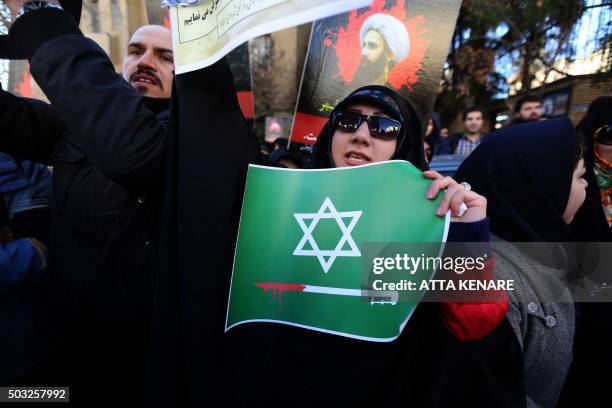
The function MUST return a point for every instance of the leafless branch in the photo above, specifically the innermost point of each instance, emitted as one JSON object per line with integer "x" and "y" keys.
{"x": 552, "y": 67}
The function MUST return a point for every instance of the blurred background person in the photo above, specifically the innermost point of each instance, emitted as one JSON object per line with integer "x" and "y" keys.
{"x": 439, "y": 144}
{"x": 473, "y": 122}
{"x": 281, "y": 143}
{"x": 527, "y": 109}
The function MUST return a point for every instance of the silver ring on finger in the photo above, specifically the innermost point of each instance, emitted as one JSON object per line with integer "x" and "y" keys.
{"x": 467, "y": 186}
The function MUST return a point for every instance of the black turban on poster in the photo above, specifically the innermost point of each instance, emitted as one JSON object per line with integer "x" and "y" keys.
{"x": 410, "y": 140}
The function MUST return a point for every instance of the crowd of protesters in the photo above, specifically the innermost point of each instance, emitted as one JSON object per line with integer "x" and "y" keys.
{"x": 114, "y": 282}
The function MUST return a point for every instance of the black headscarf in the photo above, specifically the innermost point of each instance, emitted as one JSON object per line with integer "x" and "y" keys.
{"x": 409, "y": 142}
{"x": 525, "y": 172}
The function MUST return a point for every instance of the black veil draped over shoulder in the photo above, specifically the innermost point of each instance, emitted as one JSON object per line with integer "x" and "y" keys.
{"x": 209, "y": 149}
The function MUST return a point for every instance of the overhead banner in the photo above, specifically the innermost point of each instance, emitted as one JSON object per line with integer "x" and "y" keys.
{"x": 299, "y": 253}
{"x": 401, "y": 44}
{"x": 204, "y": 33}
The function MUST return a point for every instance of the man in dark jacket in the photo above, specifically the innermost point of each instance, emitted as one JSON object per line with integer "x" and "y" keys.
{"x": 106, "y": 143}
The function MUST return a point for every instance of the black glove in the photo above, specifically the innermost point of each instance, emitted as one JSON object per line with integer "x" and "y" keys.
{"x": 34, "y": 28}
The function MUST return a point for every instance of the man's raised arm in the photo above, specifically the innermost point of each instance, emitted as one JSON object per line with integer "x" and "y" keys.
{"x": 103, "y": 113}
{"x": 29, "y": 128}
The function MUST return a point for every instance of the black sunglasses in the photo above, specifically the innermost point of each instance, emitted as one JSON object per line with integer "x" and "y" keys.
{"x": 380, "y": 127}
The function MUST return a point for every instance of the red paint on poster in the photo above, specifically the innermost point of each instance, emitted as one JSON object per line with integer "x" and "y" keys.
{"x": 280, "y": 288}
{"x": 348, "y": 48}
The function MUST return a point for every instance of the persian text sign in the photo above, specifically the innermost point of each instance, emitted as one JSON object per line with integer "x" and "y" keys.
{"x": 203, "y": 34}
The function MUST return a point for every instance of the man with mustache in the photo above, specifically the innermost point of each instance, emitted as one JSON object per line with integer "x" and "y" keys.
{"x": 148, "y": 64}
{"x": 105, "y": 137}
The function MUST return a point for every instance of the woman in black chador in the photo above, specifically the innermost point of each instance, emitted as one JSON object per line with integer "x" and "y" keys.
{"x": 449, "y": 354}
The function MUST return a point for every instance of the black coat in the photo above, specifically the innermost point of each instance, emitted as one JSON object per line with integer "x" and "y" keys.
{"x": 104, "y": 215}
{"x": 106, "y": 145}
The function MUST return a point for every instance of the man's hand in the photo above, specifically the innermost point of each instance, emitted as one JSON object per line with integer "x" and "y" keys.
{"x": 37, "y": 23}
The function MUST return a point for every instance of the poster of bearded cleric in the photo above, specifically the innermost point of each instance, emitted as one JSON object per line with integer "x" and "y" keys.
{"x": 400, "y": 44}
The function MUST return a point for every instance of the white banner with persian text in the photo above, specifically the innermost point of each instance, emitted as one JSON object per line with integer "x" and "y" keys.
{"x": 205, "y": 33}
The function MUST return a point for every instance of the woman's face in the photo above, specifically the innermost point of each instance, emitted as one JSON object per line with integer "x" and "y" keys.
{"x": 577, "y": 193}
{"x": 430, "y": 127}
{"x": 358, "y": 148}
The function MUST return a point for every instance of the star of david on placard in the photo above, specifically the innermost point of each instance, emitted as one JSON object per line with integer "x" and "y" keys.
{"x": 327, "y": 257}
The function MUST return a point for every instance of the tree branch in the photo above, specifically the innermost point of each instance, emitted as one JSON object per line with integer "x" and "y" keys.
{"x": 552, "y": 67}
{"x": 598, "y": 5}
